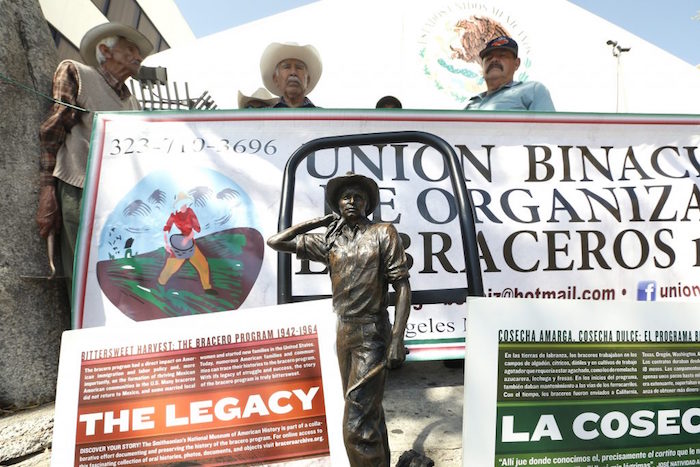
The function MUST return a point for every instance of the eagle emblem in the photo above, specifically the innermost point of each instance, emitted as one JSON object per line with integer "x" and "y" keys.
{"x": 473, "y": 34}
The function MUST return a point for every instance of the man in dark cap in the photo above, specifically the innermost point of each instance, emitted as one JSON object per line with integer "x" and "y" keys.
{"x": 499, "y": 60}
{"x": 112, "y": 53}
{"x": 362, "y": 258}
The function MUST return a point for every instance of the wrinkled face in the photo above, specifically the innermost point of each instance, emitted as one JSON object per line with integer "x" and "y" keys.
{"x": 292, "y": 77}
{"x": 352, "y": 202}
{"x": 124, "y": 55}
{"x": 500, "y": 65}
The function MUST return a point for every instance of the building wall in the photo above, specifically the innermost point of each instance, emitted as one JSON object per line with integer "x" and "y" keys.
{"x": 159, "y": 20}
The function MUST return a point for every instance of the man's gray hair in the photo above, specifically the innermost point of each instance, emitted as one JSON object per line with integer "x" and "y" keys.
{"x": 110, "y": 42}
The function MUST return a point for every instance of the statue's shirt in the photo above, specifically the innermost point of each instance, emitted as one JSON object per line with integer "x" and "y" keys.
{"x": 362, "y": 262}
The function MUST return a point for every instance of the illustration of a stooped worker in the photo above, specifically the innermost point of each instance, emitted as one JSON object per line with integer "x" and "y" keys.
{"x": 182, "y": 247}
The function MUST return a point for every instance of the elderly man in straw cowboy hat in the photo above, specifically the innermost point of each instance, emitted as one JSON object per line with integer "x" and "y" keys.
{"x": 363, "y": 258}
{"x": 112, "y": 53}
{"x": 291, "y": 71}
{"x": 260, "y": 99}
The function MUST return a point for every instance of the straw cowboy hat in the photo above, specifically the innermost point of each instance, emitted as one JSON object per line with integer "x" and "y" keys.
{"x": 91, "y": 38}
{"x": 335, "y": 187}
{"x": 276, "y": 52}
{"x": 260, "y": 94}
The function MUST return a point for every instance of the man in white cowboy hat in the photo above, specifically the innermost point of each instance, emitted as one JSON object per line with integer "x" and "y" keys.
{"x": 112, "y": 52}
{"x": 291, "y": 71}
{"x": 260, "y": 99}
{"x": 363, "y": 258}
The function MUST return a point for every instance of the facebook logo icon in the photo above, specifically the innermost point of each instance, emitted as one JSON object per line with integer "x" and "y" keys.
{"x": 646, "y": 291}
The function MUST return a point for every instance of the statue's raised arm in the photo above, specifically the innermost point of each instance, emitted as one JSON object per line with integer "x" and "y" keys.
{"x": 285, "y": 241}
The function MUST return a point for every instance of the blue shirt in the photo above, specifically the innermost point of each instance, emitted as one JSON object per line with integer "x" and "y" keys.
{"x": 516, "y": 95}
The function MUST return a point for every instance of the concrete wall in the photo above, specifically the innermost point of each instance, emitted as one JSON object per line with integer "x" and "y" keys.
{"x": 33, "y": 312}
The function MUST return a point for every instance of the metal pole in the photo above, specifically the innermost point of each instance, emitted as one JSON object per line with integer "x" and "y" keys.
{"x": 462, "y": 198}
{"x": 617, "y": 84}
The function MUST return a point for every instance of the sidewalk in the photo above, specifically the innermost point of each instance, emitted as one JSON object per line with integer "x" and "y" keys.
{"x": 423, "y": 405}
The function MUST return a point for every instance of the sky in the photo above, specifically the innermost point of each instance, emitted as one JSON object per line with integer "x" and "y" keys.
{"x": 673, "y": 25}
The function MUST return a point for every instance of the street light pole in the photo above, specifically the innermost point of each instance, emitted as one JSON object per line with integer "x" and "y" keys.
{"x": 617, "y": 50}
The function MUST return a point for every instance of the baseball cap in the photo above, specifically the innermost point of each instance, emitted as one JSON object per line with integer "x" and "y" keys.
{"x": 501, "y": 42}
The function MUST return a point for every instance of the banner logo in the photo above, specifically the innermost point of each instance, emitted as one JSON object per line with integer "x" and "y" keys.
{"x": 646, "y": 291}
{"x": 180, "y": 243}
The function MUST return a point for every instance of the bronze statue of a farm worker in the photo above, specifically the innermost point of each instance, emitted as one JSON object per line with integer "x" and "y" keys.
{"x": 363, "y": 258}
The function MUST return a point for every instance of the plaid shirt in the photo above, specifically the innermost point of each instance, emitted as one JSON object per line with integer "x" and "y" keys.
{"x": 52, "y": 132}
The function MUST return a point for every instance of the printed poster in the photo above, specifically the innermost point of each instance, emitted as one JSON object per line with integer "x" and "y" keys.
{"x": 564, "y": 383}
{"x": 217, "y": 389}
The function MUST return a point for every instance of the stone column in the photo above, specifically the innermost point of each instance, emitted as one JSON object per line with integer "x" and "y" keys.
{"x": 33, "y": 312}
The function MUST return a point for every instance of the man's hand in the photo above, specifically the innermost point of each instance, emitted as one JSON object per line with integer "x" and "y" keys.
{"x": 285, "y": 240}
{"x": 326, "y": 220}
{"x": 397, "y": 354}
{"x": 48, "y": 215}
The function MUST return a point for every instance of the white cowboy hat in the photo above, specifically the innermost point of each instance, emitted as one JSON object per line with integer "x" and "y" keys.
{"x": 260, "y": 94}
{"x": 89, "y": 42}
{"x": 276, "y": 52}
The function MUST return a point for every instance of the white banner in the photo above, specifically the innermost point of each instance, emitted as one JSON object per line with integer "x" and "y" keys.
{"x": 219, "y": 389}
{"x": 593, "y": 207}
